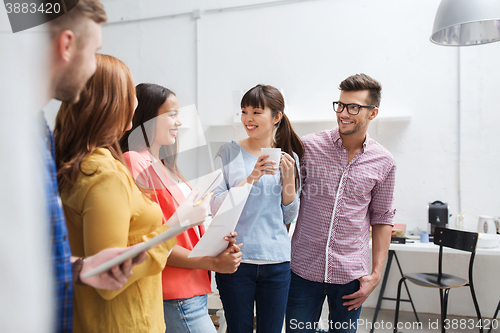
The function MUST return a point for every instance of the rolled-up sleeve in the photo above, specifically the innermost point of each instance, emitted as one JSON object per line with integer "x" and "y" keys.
{"x": 381, "y": 211}
{"x": 290, "y": 212}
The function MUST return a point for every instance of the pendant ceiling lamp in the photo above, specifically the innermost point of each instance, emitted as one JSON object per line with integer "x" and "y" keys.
{"x": 467, "y": 22}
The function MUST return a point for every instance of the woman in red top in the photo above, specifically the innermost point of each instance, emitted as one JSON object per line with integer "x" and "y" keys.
{"x": 151, "y": 153}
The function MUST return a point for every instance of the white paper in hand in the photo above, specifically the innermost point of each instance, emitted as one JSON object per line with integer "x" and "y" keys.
{"x": 212, "y": 243}
{"x": 206, "y": 184}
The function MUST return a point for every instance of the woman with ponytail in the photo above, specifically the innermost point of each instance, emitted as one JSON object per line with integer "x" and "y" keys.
{"x": 263, "y": 277}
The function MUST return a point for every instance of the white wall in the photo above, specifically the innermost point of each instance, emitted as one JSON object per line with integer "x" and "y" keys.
{"x": 26, "y": 302}
{"x": 307, "y": 48}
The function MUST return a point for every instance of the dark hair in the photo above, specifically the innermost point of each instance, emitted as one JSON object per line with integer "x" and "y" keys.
{"x": 74, "y": 19}
{"x": 362, "y": 81}
{"x": 262, "y": 96}
{"x": 143, "y": 133}
{"x": 98, "y": 119}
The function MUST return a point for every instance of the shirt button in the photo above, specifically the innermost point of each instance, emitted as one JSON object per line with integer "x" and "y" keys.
{"x": 66, "y": 285}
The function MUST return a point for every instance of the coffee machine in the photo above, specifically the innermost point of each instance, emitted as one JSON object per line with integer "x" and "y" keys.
{"x": 438, "y": 216}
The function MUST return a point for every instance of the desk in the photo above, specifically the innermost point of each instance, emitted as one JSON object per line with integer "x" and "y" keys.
{"x": 416, "y": 246}
{"x": 433, "y": 248}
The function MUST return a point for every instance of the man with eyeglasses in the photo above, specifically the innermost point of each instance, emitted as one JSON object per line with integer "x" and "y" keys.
{"x": 347, "y": 186}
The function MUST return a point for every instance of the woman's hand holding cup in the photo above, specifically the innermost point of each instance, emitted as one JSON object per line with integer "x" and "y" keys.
{"x": 287, "y": 165}
{"x": 264, "y": 166}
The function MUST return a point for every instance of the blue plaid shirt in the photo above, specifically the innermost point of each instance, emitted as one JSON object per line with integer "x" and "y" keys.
{"x": 61, "y": 252}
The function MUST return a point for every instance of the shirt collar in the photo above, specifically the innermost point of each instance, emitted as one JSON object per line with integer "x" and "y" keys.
{"x": 336, "y": 136}
{"x": 365, "y": 143}
{"x": 338, "y": 140}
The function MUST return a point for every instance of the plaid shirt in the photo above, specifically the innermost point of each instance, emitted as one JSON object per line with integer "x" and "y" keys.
{"x": 339, "y": 202}
{"x": 61, "y": 253}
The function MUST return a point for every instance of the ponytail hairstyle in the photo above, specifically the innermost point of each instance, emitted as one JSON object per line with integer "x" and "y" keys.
{"x": 262, "y": 96}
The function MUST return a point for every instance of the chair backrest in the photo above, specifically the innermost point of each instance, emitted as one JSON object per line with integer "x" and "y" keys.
{"x": 456, "y": 239}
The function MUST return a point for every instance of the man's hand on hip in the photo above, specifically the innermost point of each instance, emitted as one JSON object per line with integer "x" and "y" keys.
{"x": 367, "y": 284}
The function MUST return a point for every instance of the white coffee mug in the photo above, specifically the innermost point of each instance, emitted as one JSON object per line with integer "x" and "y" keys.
{"x": 274, "y": 155}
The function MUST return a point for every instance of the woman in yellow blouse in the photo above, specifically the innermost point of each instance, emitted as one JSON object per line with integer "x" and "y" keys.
{"x": 104, "y": 207}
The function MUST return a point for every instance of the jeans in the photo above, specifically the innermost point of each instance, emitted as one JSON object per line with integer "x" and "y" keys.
{"x": 188, "y": 315}
{"x": 266, "y": 285}
{"x": 305, "y": 302}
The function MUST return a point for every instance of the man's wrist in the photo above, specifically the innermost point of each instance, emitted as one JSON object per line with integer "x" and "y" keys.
{"x": 76, "y": 270}
{"x": 376, "y": 275}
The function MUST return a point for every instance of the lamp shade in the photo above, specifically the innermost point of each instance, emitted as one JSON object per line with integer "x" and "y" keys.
{"x": 467, "y": 22}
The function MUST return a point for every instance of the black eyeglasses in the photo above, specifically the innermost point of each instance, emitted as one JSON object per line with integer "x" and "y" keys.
{"x": 352, "y": 109}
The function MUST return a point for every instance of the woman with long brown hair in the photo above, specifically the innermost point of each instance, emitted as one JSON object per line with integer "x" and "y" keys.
{"x": 105, "y": 208}
{"x": 263, "y": 277}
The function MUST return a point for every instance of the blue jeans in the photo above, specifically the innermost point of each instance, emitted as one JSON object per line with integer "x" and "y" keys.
{"x": 188, "y": 315}
{"x": 305, "y": 302}
{"x": 266, "y": 285}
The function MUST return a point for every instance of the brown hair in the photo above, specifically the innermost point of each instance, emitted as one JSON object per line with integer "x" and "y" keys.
{"x": 262, "y": 96}
{"x": 98, "y": 120}
{"x": 75, "y": 18}
{"x": 362, "y": 81}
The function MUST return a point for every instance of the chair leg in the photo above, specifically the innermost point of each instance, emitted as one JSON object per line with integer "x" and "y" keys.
{"x": 476, "y": 305}
{"x": 441, "y": 300}
{"x": 444, "y": 308}
{"x": 398, "y": 300}
{"x": 494, "y": 316}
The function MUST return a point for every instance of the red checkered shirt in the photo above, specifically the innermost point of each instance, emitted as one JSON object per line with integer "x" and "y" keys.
{"x": 338, "y": 203}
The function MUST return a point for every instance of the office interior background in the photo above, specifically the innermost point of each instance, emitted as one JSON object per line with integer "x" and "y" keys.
{"x": 439, "y": 115}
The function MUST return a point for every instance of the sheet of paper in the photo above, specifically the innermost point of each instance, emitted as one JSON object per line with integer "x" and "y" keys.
{"x": 208, "y": 183}
{"x": 212, "y": 243}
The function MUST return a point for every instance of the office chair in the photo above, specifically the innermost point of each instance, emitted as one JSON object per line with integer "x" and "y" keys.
{"x": 455, "y": 239}
{"x": 494, "y": 317}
